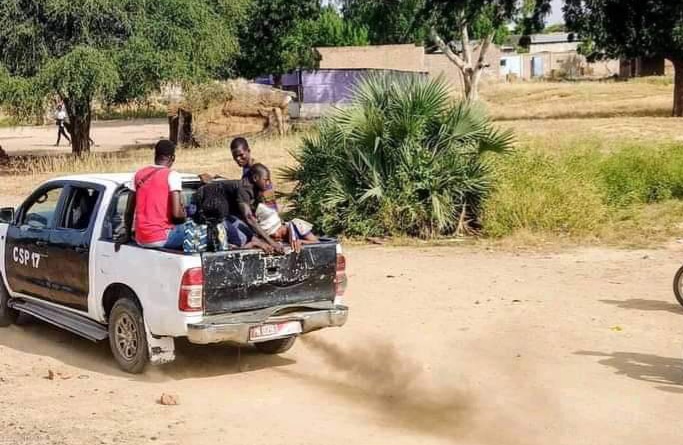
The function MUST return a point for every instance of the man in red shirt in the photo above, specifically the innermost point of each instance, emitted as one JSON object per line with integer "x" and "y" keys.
{"x": 158, "y": 201}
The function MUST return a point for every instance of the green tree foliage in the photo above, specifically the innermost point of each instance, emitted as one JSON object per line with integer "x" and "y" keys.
{"x": 114, "y": 50}
{"x": 484, "y": 20}
{"x": 334, "y": 30}
{"x": 388, "y": 22}
{"x": 462, "y": 29}
{"x": 402, "y": 159}
{"x": 278, "y": 37}
{"x": 630, "y": 29}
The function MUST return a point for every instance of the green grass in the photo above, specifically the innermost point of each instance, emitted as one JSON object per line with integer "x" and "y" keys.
{"x": 626, "y": 195}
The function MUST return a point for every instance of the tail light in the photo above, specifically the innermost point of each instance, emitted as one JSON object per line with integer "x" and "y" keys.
{"x": 191, "y": 290}
{"x": 340, "y": 279}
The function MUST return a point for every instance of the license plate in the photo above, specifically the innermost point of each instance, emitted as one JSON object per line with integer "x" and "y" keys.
{"x": 272, "y": 330}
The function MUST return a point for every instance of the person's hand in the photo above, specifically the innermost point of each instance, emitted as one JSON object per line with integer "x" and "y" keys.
{"x": 296, "y": 245}
{"x": 278, "y": 248}
{"x": 205, "y": 178}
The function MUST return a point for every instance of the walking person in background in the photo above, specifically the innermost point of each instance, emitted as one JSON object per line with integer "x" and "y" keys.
{"x": 60, "y": 117}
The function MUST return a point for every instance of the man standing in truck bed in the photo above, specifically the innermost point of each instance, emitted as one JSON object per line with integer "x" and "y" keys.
{"x": 158, "y": 201}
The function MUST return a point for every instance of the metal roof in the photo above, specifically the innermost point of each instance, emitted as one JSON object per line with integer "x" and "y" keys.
{"x": 556, "y": 37}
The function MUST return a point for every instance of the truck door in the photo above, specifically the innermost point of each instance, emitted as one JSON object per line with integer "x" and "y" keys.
{"x": 26, "y": 254}
{"x": 69, "y": 245}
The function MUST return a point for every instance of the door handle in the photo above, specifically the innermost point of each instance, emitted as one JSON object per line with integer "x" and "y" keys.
{"x": 80, "y": 249}
{"x": 41, "y": 243}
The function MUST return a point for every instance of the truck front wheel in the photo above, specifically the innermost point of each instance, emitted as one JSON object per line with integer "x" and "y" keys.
{"x": 8, "y": 315}
{"x": 127, "y": 337}
{"x": 276, "y": 346}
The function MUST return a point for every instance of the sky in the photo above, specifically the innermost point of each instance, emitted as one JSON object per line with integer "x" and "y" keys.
{"x": 556, "y": 16}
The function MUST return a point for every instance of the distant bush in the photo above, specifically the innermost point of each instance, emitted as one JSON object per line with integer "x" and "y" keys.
{"x": 402, "y": 159}
{"x": 580, "y": 193}
{"x": 539, "y": 192}
{"x": 640, "y": 175}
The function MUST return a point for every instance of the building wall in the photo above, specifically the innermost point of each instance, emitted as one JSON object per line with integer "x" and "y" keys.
{"x": 553, "y": 47}
{"x": 383, "y": 57}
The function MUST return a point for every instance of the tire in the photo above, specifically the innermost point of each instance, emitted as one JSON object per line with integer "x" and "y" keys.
{"x": 8, "y": 315}
{"x": 276, "y": 346}
{"x": 127, "y": 336}
{"x": 678, "y": 286}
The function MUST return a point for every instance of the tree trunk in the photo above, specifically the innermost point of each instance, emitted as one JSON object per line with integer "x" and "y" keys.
{"x": 678, "y": 87}
{"x": 80, "y": 115}
{"x": 277, "y": 81}
{"x": 470, "y": 69}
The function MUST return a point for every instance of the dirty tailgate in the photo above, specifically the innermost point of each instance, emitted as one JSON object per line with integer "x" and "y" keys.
{"x": 246, "y": 280}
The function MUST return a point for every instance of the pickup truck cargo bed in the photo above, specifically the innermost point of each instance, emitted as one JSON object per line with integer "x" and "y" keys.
{"x": 236, "y": 281}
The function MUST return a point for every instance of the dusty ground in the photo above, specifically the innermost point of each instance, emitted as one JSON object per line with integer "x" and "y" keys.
{"x": 108, "y": 136}
{"x": 444, "y": 345}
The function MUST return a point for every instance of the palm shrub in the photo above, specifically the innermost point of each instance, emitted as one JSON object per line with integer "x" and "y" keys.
{"x": 404, "y": 158}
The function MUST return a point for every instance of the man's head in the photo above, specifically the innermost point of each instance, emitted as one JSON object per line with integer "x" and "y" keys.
{"x": 60, "y": 107}
{"x": 259, "y": 176}
{"x": 239, "y": 147}
{"x": 164, "y": 153}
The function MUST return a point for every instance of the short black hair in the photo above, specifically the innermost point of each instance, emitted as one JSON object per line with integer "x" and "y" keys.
{"x": 164, "y": 149}
{"x": 259, "y": 170}
{"x": 239, "y": 143}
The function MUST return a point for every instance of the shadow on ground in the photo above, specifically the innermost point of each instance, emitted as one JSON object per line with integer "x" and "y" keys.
{"x": 192, "y": 361}
{"x": 641, "y": 304}
{"x": 666, "y": 371}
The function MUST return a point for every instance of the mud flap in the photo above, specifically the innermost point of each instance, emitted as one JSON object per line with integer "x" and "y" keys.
{"x": 161, "y": 349}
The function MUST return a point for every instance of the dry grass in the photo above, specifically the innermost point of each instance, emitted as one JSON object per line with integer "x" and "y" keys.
{"x": 27, "y": 172}
{"x": 550, "y": 117}
{"x": 571, "y": 100}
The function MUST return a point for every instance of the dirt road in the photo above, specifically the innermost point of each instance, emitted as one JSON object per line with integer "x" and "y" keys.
{"x": 443, "y": 346}
{"x": 108, "y": 136}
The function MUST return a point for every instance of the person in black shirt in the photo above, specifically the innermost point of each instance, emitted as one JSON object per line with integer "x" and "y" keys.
{"x": 241, "y": 204}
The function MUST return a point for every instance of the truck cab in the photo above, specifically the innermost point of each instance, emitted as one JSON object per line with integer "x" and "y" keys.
{"x": 66, "y": 258}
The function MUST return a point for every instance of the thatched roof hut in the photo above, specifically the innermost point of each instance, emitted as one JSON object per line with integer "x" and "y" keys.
{"x": 211, "y": 113}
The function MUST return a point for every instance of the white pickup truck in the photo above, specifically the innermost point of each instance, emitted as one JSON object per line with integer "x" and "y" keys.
{"x": 66, "y": 259}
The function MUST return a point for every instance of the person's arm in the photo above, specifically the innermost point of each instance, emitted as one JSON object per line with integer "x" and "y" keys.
{"x": 310, "y": 238}
{"x": 249, "y": 218}
{"x": 177, "y": 208}
{"x": 175, "y": 185}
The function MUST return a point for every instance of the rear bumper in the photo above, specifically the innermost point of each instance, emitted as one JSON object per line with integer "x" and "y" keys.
{"x": 234, "y": 328}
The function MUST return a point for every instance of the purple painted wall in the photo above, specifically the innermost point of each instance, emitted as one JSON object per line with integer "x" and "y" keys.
{"x": 323, "y": 86}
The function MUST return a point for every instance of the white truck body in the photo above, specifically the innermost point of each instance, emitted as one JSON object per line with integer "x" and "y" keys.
{"x": 39, "y": 252}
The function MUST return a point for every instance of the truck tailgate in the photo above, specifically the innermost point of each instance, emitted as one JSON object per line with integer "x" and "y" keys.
{"x": 246, "y": 280}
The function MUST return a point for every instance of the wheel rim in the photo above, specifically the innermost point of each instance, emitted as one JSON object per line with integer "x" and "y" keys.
{"x": 127, "y": 340}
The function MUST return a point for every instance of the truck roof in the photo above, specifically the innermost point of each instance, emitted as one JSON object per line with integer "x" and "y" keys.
{"x": 116, "y": 178}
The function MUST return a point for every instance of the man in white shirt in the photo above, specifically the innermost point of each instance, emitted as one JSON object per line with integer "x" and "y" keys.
{"x": 60, "y": 117}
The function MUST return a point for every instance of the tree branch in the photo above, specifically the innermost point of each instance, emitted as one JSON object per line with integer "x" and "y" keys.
{"x": 466, "y": 48}
{"x": 453, "y": 57}
{"x": 484, "y": 49}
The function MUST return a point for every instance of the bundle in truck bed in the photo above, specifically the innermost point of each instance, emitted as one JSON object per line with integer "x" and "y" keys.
{"x": 237, "y": 281}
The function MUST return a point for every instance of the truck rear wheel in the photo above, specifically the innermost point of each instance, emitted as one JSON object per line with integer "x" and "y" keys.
{"x": 276, "y": 346}
{"x": 127, "y": 336}
{"x": 8, "y": 315}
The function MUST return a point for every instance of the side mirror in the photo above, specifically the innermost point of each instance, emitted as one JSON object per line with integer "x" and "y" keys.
{"x": 7, "y": 215}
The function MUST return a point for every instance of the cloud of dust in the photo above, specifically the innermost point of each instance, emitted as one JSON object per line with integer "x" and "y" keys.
{"x": 377, "y": 375}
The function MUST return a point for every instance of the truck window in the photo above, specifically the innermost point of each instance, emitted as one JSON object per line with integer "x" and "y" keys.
{"x": 80, "y": 207}
{"x": 115, "y": 225}
{"x": 40, "y": 212}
